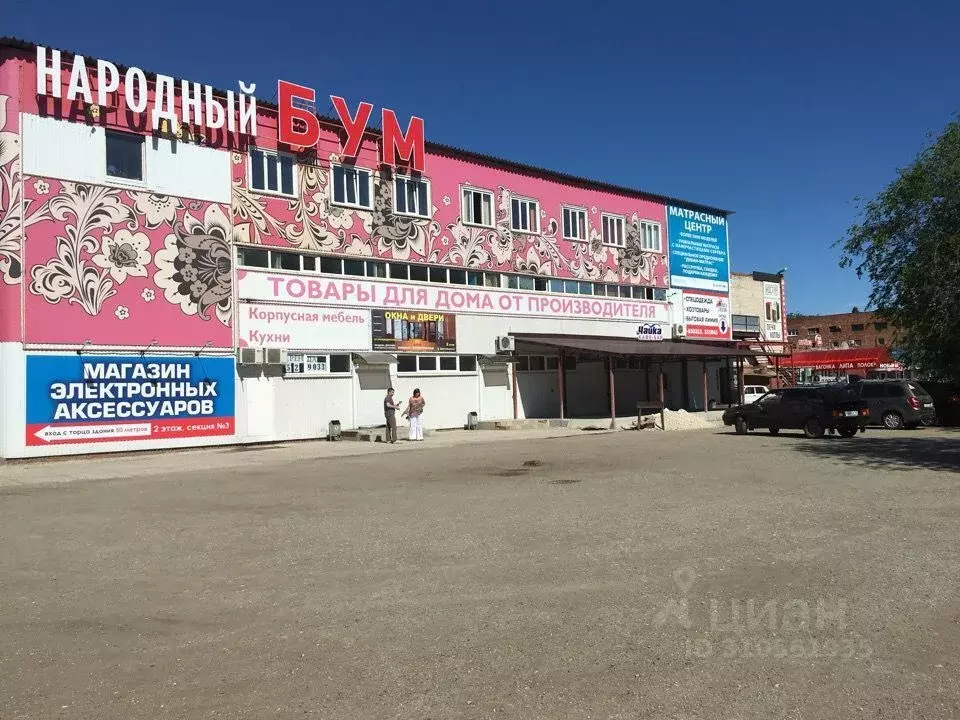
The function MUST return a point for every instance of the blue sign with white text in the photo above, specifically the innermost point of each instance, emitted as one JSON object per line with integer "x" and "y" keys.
{"x": 98, "y": 398}
{"x": 699, "y": 253}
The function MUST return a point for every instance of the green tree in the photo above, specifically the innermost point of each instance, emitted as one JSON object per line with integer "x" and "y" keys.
{"x": 907, "y": 244}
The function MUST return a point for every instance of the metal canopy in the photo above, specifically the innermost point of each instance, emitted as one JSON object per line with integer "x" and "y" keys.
{"x": 374, "y": 359}
{"x": 499, "y": 362}
{"x": 659, "y": 349}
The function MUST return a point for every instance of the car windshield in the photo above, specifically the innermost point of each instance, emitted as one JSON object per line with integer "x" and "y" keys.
{"x": 769, "y": 398}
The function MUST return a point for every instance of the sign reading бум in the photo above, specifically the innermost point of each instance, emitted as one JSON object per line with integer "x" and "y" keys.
{"x": 82, "y": 399}
{"x": 699, "y": 256}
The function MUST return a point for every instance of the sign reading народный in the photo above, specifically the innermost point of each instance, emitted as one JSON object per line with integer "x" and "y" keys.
{"x": 171, "y": 104}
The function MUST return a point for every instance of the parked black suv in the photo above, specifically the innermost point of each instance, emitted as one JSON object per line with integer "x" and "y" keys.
{"x": 811, "y": 409}
{"x": 896, "y": 404}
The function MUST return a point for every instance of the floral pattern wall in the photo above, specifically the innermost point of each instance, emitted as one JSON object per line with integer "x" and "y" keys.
{"x": 311, "y": 222}
{"x": 122, "y": 267}
{"x": 125, "y": 267}
{"x": 11, "y": 221}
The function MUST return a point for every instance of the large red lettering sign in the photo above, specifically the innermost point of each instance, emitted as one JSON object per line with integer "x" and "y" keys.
{"x": 299, "y": 127}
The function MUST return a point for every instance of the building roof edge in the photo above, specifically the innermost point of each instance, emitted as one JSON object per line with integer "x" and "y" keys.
{"x": 15, "y": 43}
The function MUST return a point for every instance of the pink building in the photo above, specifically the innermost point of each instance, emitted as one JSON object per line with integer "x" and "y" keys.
{"x": 181, "y": 265}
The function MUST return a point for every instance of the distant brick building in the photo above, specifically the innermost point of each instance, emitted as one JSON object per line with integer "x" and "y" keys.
{"x": 840, "y": 331}
{"x": 830, "y": 347}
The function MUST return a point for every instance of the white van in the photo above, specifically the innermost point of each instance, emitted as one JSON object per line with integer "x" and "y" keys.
{"x": 752, "y": 393}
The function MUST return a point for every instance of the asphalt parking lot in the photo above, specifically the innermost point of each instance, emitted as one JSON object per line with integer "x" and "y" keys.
{"x": 626, "y": 575}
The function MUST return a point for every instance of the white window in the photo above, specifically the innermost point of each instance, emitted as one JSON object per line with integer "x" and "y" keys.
{"x": 612, "y": 230}
{"x": 411, "y": 196}
{"x": 310, "y": 364}
{"x": 477, "y": 207}
{"x": 650, "y": 236}
{"x": 124, "y": 156}
{"x": 574, "y": 223}
{"x": 525, "y": 215}
{"x": 272, "y": 172}
{"x": 352, "y": 186}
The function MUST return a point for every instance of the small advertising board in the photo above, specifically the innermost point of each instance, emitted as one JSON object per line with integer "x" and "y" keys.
{"x": 707, "y": 316}
{"x": 409, "y": 331}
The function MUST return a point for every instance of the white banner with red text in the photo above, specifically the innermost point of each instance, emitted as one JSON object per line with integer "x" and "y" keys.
{"x": 366, "y": 293}
{"x": 707, "y": 316}
{"x": 301, "y": 327}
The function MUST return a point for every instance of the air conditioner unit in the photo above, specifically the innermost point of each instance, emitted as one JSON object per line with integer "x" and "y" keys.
{"x": 679, "y": 330}
{"x": 275, "y": 356}
{"x": 505, "y": 344}
{"x": 249, "y": 356}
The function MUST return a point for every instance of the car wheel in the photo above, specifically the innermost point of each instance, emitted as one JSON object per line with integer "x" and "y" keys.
{"x": 812, "y": 428}
{"x": 774, "y": 430}
{"x": 892, "y": 420}
{"x": 847, "y": 432}
{"x": 741, "y": 426}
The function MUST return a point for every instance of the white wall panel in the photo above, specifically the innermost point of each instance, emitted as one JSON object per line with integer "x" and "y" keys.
{"x": 187, "y": 170}
{"x": 496, "y": 394}
{"x": 476, "y": 333}
{"x": 278, "y": 408}
{"x": 77, "y": 152}
{"x": 449, "y": 397}
{"x": 63, "y": 150}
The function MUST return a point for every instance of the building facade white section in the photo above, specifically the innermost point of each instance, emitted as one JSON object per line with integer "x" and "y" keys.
{"x": 64, "y": 150}
{"x": 76, "y": 152}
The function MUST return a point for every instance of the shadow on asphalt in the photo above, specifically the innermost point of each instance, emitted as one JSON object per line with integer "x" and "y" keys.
{"x": 883, "y": 449}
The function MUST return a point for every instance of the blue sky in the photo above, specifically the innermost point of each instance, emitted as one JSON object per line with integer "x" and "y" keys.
{"x": 782, "y": 112}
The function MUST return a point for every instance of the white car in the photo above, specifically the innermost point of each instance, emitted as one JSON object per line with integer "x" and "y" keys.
{"x": 752, "y": 393}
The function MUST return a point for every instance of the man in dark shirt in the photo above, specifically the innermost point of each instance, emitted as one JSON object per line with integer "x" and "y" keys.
{"x": 390, "y": 407}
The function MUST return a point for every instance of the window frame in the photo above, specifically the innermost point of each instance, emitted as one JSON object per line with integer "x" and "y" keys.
{"x": 604, "y": 217}
{"x": 569, "y": 364}
{"x": 463, "y": 208}
{"x": 276, "y": 154}
{"x": 659, "y": 229}
{"x": 523, "y": 199}
{"x": 437, "y": 371}
{"x": 116, "y": 179}
{"x": 345, "y": 203}
{"x": 242, "y": 250}
{"x": 413, "y": 178}
{"x": 564, "y": 209}
{"x": 743, "y": 324}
